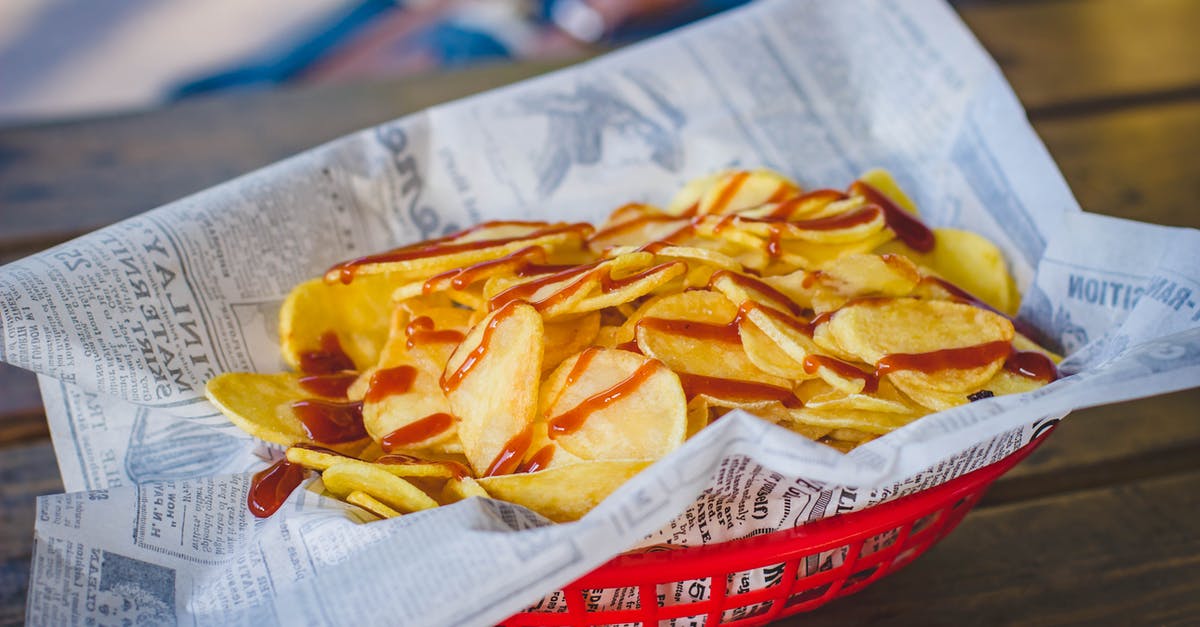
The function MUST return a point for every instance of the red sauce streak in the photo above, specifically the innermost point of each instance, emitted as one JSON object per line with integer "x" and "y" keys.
{"x": 582, "y": 276}
{"x": 785, "y": 208}
{"x": 756, "y": 285}
{"x": 631, "y": 225}
{"x": 728, "y": 192}
{"x": 421, "y": 331}
{"x": 417, "y": 431}
{"x": 451, "y": 380}
{"x": 457, "y": 470}
{"x": 346, "y": 270}
{"x": 1032, "y": 365}
{"x": 386, "y": 382}
{"x": 783, "y": 192}
{"x": 327, "y": 359}
{"x": 945, "y": 359}
{"x": 271, "y": 487}
{"x": 460, "y": 278}
{"x": 907, "y": 227}
{"x": 697, "y": 330}
{"x": 798, "y": 325}
{"x": 724, "y": 222}
{"x": 539, "y": 461}
{"x": 509, "y": 457}
{"x": 631, "y": 346}
{"x": 330, "y": 422}
{"x": 572, "y": 420}
{"x": 330, "y": 385}
{"x": 736, "y": 390}
{"x": 526, "y": 290}
{"x": 843, "y": 369}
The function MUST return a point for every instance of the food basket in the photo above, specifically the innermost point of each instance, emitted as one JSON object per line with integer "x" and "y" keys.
{"x": 876, "y": 541}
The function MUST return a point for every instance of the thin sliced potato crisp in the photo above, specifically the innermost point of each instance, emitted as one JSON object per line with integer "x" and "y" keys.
{"x": 546, "y": 363}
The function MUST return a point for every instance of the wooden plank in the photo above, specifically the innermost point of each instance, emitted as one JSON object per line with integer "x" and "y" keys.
{"x": 1136, "y": 163}
{"x": 26, "y": 472}
{"x": 1127, "y": 554}
{"x": 58, "y": 181}
{"x": 1069, "y": 55}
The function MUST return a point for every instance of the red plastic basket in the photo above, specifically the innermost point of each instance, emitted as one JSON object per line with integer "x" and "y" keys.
{"x": 895, "y": 534}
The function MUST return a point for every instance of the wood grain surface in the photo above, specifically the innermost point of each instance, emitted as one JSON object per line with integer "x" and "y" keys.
{"x": 1101, "y": 525}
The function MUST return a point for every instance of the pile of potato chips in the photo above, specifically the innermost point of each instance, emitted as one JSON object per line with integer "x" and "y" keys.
{"x": 546, "y": 363}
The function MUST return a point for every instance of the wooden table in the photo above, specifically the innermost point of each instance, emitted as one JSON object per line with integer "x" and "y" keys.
{"x": 1100, "y": 525}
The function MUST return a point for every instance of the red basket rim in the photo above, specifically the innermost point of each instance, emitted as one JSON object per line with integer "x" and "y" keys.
{"x": 806, "y": 539}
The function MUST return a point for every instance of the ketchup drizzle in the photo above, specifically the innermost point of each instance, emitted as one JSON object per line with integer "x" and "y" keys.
{"x": 870, "y": 380}
{"x": 573, "y": 419}
{"x": 417, "y": 431}
{"x": 329, "y": 385}
{"x": 509, "y": 457}
{"x": 539, "y": 461}
{"x": 327, "y": 359}
{"x": 421, "y": 331}
{"x": 736, "y": 390}
{"x": 907, "y": 227}
{"x": 451, "y": 380}
{"x": 330, "y": 422}
{"x": 271, "y": 487}
{"x": 388, "y": 381}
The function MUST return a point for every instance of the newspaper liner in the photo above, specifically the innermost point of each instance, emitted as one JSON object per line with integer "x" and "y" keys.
{"x": 126, "y": 324}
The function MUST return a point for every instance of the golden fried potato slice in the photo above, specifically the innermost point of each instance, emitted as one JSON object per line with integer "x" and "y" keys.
{"x": 638, "y": 232}
{"x": 687, "y": 200}
{"x": 561, "y": 292}
{"x": 846, "y": 228}
{"x": 694, "y": 332}
{"x": 350, "y": 476}
{"x": 874, "y": 422}
{"x": 567, "y": 336}
{"x": 614, "y": 290}
{"x": 371, "y": 504}
{"x": 483, "y": 243}
{"x": 323, "y": 324}
{"x": 883, "y": 182}
{"x": 742, "y": 189}
{"x": 457, "y": 490}
{"x": 614, "y": 404}
{"x": 492, "y": 382}
{"x": 969, "y": 262}
{"x": 263, "y": 406}
{"x": 564, "y": 493}
{"x": 873, "y": 330}
{"x": 698, "y": 415}
{"x": 859, "y": 275}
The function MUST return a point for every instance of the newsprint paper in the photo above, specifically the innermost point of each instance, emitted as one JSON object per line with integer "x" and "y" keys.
{"x": 126, "y": 325}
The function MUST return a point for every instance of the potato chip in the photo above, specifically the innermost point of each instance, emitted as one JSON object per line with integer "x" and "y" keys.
{"x": 737, "y": 190}
{"x": 371, "y": 504}
{"x": 555, "y": 361}
{"x": 330, "y": 327}
{"x": 696, "y": 332}
{"x": 614, "y": 404}
{"x": 564, "y": 493}
{"x": 935, "y": 345}
{"x": 352, "y": 475}
{"x": 265, "y": 406}
{"x": 492, "y": 382}
{"x": 487, "y": 241}
{"x": 461, "y": 489}
{"x": 970, "y": 263}
{"x": 567, "y": 336}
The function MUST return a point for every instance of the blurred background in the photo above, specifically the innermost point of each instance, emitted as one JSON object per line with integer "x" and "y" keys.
{"x": 71, "y": 58}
